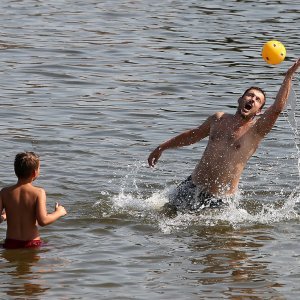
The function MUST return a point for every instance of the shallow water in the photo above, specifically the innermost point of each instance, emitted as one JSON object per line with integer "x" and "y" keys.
{"x": 93, "y": 87}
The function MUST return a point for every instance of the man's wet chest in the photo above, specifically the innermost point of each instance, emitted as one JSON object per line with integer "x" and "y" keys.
{"x": 236, "y": 139}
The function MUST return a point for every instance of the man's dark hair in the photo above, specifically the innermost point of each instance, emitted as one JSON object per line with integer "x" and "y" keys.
{"x": 26, "y": 163}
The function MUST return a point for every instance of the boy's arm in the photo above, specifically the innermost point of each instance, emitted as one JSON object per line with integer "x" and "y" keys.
{"x": 184, "y": 139}
{"x": 3, "y": 217}
{"x": 268, "y": 119}
{"x": 42, "y": 216}
{"x": 3, "y": 214}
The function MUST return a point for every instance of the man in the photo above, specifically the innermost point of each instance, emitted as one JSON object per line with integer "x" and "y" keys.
{"x": 232, "y": 141}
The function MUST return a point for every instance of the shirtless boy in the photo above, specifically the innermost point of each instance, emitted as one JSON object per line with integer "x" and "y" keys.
{"x": 25, "y": 205}
{"x": 232, "y": 140}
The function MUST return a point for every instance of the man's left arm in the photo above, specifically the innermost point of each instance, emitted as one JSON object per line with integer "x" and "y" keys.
{"x": 268, "y": 119}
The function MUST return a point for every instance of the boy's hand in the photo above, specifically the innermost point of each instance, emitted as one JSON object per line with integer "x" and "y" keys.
{"x": 59, "y": 208}
{"x": 3, "y": 217}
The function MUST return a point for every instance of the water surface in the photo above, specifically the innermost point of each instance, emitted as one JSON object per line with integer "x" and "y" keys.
{"x": 93, "y": 87}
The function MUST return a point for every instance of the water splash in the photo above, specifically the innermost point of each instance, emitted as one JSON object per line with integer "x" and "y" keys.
{"x": 235, "y": 215}
{"x": 132, "y": 191}
{"x": 292, "y": 120}
{"x": 132, "y": 202}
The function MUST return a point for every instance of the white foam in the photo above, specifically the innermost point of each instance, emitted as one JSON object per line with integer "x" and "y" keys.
{"x": 129, "y": 201}
{"x": 234, "y": 215}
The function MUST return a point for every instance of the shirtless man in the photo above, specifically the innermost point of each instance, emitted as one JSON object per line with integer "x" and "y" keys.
{"x": 25, "y": 205}
{"x": 232, "y": 141}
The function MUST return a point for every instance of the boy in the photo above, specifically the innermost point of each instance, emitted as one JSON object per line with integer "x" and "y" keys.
{"x": 25, "y": 205}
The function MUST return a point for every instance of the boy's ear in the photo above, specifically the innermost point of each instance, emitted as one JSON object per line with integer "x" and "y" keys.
{"x": 35, "y": 173}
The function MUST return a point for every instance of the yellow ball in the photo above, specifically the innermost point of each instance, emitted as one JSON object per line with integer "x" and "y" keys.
{"x": 273, "y": 52}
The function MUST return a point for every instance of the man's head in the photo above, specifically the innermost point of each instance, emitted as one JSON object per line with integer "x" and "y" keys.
{"x": 252, "y": 102}
{"x": 27, "y": 165}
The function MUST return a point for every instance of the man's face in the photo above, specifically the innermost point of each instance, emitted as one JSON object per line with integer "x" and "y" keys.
{"x": 250, "y": 104}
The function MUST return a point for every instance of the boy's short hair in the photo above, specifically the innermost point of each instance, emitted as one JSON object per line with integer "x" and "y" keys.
{"x": 25, "y": 164}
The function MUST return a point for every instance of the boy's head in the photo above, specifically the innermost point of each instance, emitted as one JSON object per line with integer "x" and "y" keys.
{"x": 26, "y": 164}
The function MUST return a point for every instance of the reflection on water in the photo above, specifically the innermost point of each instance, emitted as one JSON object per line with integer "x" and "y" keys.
{"x": 21, "y": 278}
{"x": 236, "y": 260}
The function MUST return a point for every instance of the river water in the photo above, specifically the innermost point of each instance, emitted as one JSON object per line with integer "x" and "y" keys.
{"x": 93, "y": 87}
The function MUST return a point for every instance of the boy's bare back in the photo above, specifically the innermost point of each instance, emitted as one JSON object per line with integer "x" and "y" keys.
{"x": 21, "y": 202}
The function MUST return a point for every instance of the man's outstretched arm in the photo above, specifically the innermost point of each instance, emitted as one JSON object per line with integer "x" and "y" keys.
{"x": 268, "y": 119}
{"x": 186, "y": 138}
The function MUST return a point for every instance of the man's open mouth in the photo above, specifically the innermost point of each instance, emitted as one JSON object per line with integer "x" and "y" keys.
{"x": 248, "y": 106}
